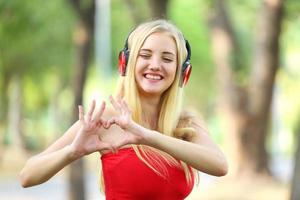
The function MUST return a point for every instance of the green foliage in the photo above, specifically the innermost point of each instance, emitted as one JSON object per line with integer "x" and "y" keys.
{"x": 292, "y": 8}
{"x": 32, "y": 34}
{"x": 35, "y": 37}
{"x": 190, "y": 16}
{"x": 35, "y": 42}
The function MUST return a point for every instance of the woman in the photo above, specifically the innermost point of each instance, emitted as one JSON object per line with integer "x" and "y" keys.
{"x": 150, "y": 148}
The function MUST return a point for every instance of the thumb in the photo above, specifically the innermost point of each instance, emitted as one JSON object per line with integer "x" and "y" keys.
{"x": 107, "y": 146}
{"x": 121, "y": 143}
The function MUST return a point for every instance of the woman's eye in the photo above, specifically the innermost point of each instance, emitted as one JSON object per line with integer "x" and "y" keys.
{"x": 167, "y": 59}
{"x": 145, "y": 56}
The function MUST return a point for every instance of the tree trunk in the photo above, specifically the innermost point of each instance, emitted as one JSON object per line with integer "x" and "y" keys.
{"x": 5, "y": 80}
{"x": 265, "y": 65}
{"x": 14, "y": 128}
{"x": 246, "y": 109}
{"x": 83, "y": 41}
{"x": 233, "y": 96}
{"x": 134, "y": 11}
{"x": 295, "y": 189}
{"x": 158, "y": 8}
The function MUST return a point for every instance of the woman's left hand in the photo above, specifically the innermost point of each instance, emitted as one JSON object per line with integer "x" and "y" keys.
{"x": 124, "y": 120}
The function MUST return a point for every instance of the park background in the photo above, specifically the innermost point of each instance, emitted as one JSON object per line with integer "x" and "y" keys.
{"x": 245, "y": 84}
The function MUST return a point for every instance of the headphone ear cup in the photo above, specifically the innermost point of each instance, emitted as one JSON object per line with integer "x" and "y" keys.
{"x": 122, "y": 62}
{"x": 186, "y": 73}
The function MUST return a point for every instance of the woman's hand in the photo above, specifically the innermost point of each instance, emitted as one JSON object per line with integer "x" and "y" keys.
{"x": 125, "y": 122}
{"x": 87, "y": 139}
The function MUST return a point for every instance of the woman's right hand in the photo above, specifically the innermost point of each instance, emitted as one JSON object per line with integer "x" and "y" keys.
{"x": 87, "y": 139}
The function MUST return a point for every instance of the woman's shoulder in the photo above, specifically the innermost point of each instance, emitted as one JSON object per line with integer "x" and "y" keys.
{"x": 188, "y": 125}
{"x": 189, "y": 118}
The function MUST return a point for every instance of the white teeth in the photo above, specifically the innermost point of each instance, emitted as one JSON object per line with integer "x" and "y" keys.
{"x": 153, "y": 77}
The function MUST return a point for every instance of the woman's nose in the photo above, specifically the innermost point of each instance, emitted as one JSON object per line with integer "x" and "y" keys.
{"x": 155, "y": 63}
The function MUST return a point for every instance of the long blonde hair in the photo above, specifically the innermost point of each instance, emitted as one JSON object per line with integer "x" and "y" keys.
{"x": 171, "y": 102}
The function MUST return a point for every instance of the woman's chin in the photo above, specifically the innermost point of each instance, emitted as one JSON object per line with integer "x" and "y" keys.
{"x": 151, "y": 91}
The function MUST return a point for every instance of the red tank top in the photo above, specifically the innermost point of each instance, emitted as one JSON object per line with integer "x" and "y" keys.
{"x": 126, "y": 177}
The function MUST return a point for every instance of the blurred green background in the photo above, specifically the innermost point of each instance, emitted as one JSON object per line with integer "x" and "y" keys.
{"x": 43, "y": 47}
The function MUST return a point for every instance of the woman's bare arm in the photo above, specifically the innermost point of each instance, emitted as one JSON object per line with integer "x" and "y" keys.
{"x": 81, "y": 139}
{"x": 43, "y": 166}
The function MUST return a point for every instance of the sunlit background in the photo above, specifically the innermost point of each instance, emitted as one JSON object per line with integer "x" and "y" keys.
{"x": 47, "y": 46}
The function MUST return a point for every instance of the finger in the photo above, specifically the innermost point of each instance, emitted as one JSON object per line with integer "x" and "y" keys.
{"x": 105, "y": 125}
{"x": 80, "y": 112}
{"x": 107, "y": 146}
{"x": 120, "y": 103}
{"x": 125, "y": 109}
{"x": 126, "y": 105}
{"x": 118, "y": 99}
{"x": 114, "y": 103}
{"x": 101, "y": 123}
{"x": 109, "y": 122}
{"x": 92, "y": 108}
{"x": 98, "y": 123}
{"x": 100, "y": 111}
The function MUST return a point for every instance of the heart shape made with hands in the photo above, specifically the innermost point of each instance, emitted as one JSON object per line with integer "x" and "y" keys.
{"x": 87, "y": 139}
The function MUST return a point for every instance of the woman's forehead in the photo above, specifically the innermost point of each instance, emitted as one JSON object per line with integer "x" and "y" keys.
{"x": 162, "y": 41}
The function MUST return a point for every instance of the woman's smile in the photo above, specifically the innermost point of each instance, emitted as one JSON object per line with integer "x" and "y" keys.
{"x": 153, "y": 76}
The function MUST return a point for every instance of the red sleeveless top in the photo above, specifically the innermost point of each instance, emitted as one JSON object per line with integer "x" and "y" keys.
{"x": 126, "y": 177}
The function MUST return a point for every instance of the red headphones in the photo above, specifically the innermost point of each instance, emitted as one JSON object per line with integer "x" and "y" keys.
{"x": 186, "y": 66}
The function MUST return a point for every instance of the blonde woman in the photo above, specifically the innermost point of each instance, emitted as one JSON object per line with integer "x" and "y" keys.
{"x": 150, "y": 148}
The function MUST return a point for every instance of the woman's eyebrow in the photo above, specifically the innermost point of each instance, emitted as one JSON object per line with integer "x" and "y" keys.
{"x": 164, "y": 52}
{"x": 169, "y": 53}
{"x": 147, "y": 50}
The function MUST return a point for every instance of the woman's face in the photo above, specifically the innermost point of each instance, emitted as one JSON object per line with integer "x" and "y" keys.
{"x": 156, "y": 64}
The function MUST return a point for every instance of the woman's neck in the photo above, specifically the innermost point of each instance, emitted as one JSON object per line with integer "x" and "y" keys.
{"x": 150, "y": 110}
